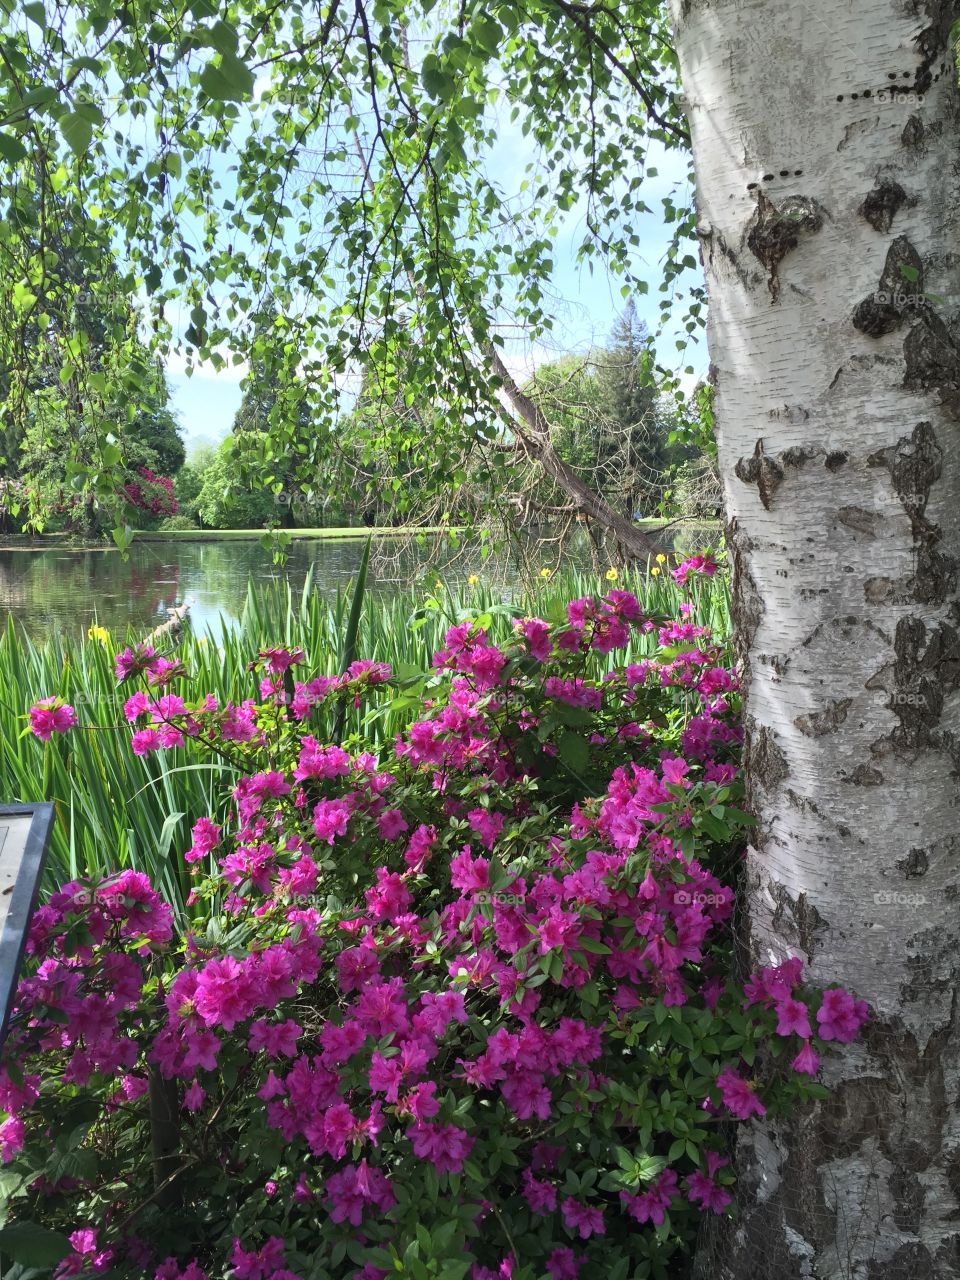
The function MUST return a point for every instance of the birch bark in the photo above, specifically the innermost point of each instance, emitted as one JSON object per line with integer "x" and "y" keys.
{"x": 826, "y": 140}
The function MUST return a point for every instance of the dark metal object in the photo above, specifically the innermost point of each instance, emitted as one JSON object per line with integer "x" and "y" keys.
{"x": 19, "y": 892}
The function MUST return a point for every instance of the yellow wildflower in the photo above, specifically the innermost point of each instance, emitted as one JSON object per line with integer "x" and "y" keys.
{"x": 654, "y": 571}
{"x": 472, "y": 580}
{"x": 661, "y": 559}
{"x": 98, "y": 633}
{"x": 611, "y": 575}
{"x": 545, "y": 573}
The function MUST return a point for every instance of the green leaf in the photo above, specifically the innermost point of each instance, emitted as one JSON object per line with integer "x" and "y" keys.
{"x": 33, "y": 1245}
{"x": 77, "y": 131}
{"x": 229, "y": 81}
{"x": 595, "y": 947}
{"x": 574, "y": 751}
{"x": 488, "y": 34}
{"x": 224, "y": 38}
{"x": 437, "y": 82}
{"x": 12, "y": 148}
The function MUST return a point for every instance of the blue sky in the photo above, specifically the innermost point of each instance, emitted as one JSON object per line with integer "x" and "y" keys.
{"x": 585, "y": 303}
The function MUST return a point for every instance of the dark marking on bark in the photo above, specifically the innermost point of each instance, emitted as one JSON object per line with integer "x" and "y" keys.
{"x": 925, "y": 669}
{"x": 763, "y": 471}
{"x": 863, "y": 776}
{"x": 947, "y": 1256}
{"x": 933, "y": 360}
{"x": 873, "y": 317}
{"x": 902, "y": 274}
{"x": 797, "y": 456}
{"x": 879, "y": 590}
{"x": 777, "y": 661}
{"x": 935, "y": 42}
{"x": 899, "y": 291}
{"x": 859, "y": 519}
{"x": 908, "y": 1194}
{"x": 819, "y": 723}
{"x": 775, "y": 230}
{"x": 915, "y": 463}
{"x": 792, "y": 413}
{"x": 746, "y": 603}
{"x": 836, "y": 459}
{"x": 714, "y": 239}
{"x": 767, "y": 763}
{"x": 805, "y": 805}
{"x": 910, "y": 1262}
{"x": 881, "y": 205}
{"x": 914, "y": 865}
{"x": 796, "y": 920}
{"x": 912, "y": 135}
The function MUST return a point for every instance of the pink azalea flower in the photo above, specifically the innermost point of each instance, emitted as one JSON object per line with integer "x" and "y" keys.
{"x": 738, "y": 1095}
{"x": 840, "y": 1017}
{"x": 806, "y": 1060}
{"x": 792, "y": 1019}
{"x": 582, "y": 1218}
{"x": 563, "y": 1264}
{"x": 391, "y": 824}
{"x": 540, "y": 1196}
{"x": 194, "y": 1096}
{"x": 51, "y": 716}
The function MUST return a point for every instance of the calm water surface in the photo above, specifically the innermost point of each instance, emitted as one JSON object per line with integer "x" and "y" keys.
{"x": 70, "y": 588}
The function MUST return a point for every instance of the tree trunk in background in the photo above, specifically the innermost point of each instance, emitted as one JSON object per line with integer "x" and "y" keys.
{"x": 826, "y": 138}
{"x": 533, "y": 431}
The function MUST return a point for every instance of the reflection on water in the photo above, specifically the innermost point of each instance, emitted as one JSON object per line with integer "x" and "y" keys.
{"x": 65, "y": 589}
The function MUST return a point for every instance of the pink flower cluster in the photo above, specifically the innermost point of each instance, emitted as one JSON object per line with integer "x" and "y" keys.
{"x": 51, "y": 716}
{"x": 413, "y": 958}
{"x": 703, "y": 564}
{"x": 155, "y": 495}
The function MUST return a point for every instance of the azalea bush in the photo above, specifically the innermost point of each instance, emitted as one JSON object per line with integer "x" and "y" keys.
{"x": 151, "y": 493}
{"x": 461, "y": 1008}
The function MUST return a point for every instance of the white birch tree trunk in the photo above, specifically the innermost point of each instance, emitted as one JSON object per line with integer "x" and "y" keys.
{"x": 826, "y": 138}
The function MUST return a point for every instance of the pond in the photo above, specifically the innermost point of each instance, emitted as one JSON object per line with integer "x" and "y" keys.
{"x": 69, "y": 588}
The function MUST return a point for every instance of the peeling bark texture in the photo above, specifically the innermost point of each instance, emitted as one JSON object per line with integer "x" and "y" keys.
{"x": 834, "y": 337}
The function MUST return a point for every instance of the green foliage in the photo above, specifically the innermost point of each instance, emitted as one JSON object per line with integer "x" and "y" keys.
{"x": 115, "y": 810}
{"x": 412, "y": 1027}
{"x": 334, "y": 168}
{"x": 609, "y": 423}
{"x": 176, "y": 524}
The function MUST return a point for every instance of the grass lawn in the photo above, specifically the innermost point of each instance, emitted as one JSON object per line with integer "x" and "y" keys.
{"x": 43, "y": 541}
{"x": 239, "y": 535}
{"x": 385, "y": 531}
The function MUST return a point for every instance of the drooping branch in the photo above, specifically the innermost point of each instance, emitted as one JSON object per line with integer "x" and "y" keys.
{"x": 533, "y": 431}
